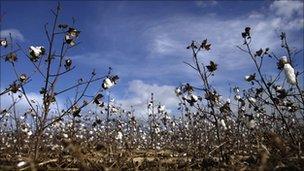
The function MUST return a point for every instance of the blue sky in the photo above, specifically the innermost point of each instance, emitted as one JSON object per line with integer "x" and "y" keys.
{"x": 145, "y": 42}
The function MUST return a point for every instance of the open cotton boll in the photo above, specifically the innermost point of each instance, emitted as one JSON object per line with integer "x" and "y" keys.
{"x": 37, "y": 51}
{"x": 119, "y": 136}
{"x": 69, "y": 40}
{"x": 65, "y": 135}
{"x": 161, "y": 108}
{"x": 157, "y": 130}
{"x": 178, "y": 91}
{"x": 191, "y": 99}
{"x": 113, "y": 109}
{"x": 223, "y": 124}
{"x": 284, "y": 59}
{"x": 278, "y": 88}
{"x": 20, "y": 164}
{"x": 228, "y": 101}
{"x": 290, "y": 74}
{"x": 107, "y": 83}
{"x": 237, "y": 97}
{"x": 194, "y": 97}
{"x": 4, "y": 43}
{"x": 252, "y": 124}
{"x": 251, "y": 99}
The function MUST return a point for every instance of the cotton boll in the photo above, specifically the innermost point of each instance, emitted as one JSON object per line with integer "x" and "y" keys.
{"x": 237, "y": 97}
{"x": 290, "y": 74}
{"x": 252, "y": 124}
{"x": 223, "y": 124}
{"x": 178, "y": 91}
{"x": 71, "y": 36}
{"x": 228, "y": 101}
{"x": 22, "y": 117}
{"x": 20, "y": 164}
{"x": 119, "y": 136}
{"x": 107, "y": 83}
{"x": 113, "y": 109}
{"x": 161, "y": 108}
{"x": 251, "y": 99}
{"x": 236, "y": 90}
{"x": 157, "y": 130}
{"x": 65, "y": 135}
{"x": 250, "y": 78}
{"x": 278, "y": 88}
{"x": 37, "y": 51}
{"x": 68, "y": 39}
{"x": 4, "y": 43}
{"x": 284, "y": 59}
{"x": 24, "y": 129}
{"x": 258, "y": 114}
{"x": 194, "y": 97}
{"x": 191, "y": 99}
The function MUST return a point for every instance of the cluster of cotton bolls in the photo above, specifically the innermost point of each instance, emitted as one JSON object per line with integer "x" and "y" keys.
{"x": 186, "y": 92}
{"x": 162, "y": 130}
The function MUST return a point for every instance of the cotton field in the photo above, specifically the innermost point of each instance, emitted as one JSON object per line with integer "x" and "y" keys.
{"x": 74, "y": 122}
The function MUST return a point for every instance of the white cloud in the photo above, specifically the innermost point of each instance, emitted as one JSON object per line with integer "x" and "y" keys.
{"x": 16, "y": 34}
{"x": 140, "y": 93}
{"x": 287, "y": 8}
{"x": 22, "y": 106}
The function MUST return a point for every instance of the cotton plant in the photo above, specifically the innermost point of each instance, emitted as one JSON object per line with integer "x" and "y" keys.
{"x": 270, "y": 91}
